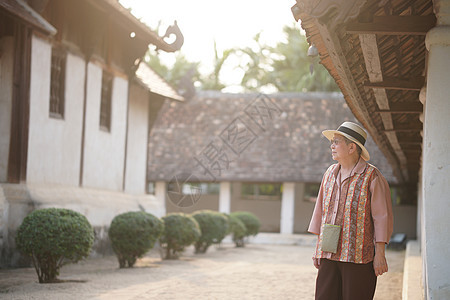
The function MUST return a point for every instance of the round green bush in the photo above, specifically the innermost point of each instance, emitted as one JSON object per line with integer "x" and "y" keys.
{"x": 213, "y": 226}
{"x": 250, "y": 221}
{"x": 132, "y": 234}
{"x": 53, "y": 237}
{"x": 237, "y": 230}
{"x": 180, "y": 231}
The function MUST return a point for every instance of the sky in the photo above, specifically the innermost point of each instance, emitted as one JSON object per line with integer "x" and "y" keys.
{"x": 231, "y": 23}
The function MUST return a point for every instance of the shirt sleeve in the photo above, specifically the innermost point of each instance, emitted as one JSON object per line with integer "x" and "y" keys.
{"x": 381, "y": 206}
{"x": 316, "y": 219}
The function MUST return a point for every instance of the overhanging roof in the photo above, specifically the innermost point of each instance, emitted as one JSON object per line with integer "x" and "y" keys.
{"x": 375, "y": 51}
{"x": 142, "y": 31}
{"x": 151, "y": 81}
{"x": 20, "y": 9}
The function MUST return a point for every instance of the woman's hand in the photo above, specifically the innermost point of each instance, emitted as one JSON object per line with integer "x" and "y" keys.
{"x": 380, "y": 265}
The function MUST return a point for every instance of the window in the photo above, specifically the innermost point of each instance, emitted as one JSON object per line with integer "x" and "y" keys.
{"x": 191, "y": 188}
{"x": 57, "y": 84}
{"x": 105, "y": 103}
{"x": 151, "y": 188}
{"x": 311, "y": 192}
{"x": 261, "y": 191}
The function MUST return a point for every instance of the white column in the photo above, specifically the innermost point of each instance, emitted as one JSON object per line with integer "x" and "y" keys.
{"x": 160, "y": 194}
{"x": 287, "y": 208}
{"x": 225, "y": 197}
{"x": 436, "y": 158}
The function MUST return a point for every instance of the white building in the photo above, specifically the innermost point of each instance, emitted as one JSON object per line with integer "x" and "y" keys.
{"x": 76, "y": 107}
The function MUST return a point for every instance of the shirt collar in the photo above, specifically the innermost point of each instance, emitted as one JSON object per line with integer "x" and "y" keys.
{"x": 359, "y": 168}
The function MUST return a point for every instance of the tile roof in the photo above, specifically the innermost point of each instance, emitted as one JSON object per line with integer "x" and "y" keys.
{"x": 290, "y": 149}
{"x": 150, "y": 80}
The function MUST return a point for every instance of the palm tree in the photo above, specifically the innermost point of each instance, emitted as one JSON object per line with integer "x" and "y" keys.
{"x": 286, "y": 66}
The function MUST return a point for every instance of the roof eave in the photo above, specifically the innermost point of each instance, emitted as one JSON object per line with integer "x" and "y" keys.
{"x": 332, "y": 58}
{"x": 141, "y": 30}
{"x": 21, "y": 10}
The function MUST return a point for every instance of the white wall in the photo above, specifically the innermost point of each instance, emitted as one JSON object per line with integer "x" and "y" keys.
{"x": 104, "y": 152}
{"x": 436, "y": 158}
{"x": 54, "y": 144}
{"x": 136, "y": 166}
{"x": 6, "y": 84}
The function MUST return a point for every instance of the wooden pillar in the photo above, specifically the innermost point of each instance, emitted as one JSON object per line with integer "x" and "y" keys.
{"x": 20, "y": 111}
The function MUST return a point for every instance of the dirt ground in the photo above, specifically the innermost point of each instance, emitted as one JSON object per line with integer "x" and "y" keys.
{"x": 254, "y": 272}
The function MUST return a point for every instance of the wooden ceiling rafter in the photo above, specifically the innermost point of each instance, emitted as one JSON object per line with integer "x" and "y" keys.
{"x": 376, "y": 53}
{"x": 405, "y": 128}
{"x": 373, "y": 67}
{"x": 393, "y": 25}
{"x": 331, "y": 42}
{"x": 395, "y": 83}
{"x": 403, "y": 108}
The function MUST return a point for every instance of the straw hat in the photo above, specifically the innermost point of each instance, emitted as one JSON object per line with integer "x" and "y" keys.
{"x": 353, "y": 132}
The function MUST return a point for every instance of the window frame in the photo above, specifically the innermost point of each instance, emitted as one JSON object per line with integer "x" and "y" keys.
{"x": 105, "y": 117}
{"x": 58, "y": 69}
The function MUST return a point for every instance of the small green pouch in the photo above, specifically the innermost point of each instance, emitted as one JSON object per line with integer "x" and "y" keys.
{"x": 330, "y": 237}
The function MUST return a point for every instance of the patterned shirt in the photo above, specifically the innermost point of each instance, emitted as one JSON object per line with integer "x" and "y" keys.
{"x": 364, "y": 218}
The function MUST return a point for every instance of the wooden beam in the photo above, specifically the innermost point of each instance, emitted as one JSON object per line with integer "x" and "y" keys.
{"x": 403, "y": 140}
{"x": 381, "y": 111}
{"x": 394, "y": 25}
{"x": 410, "y": 143}
{"x": 411, "y": 146}
{"x": 392, "y": 83}
{"x": 372, "y": 61}
{"x": 403, "y": 108}
{"x": 405, "y": 128}
{"x": 332, "y": 43}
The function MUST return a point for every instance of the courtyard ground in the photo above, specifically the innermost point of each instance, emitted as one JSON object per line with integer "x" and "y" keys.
{"x": 258, "y": 271}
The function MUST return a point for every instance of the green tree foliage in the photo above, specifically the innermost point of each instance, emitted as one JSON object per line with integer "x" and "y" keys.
{"x": 174, "y": 75}
{"x": 212, "y": 81}
{"x": 132, "y": 234}
{"x": 251, "y": 223}
{"x": 53, "y": 237}
{"x": 213, "y": 226}
{"x": 256, "y": 64}
{"x": 237, "y": 230}
{"x": 180, "y": 231}
{"x": 286, "y": 66}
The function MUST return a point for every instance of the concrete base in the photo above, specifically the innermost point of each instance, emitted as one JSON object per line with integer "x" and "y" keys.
{"x": 412, "y": 273}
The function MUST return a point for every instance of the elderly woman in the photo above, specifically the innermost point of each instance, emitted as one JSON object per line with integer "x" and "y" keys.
{"x": 352, "y": 219}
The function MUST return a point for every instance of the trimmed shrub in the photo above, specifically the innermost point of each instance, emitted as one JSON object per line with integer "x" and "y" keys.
{"x": 237, "y": 230}
{"x": 53, "y": 237}
{"x": 213, "y": 227}
{"x": 250, "y": 221}
{"x": 132, "y": 234}
{"x": 180, "y": 231}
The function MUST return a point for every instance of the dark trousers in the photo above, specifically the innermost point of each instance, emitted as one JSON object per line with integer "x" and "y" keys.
{"x": 345, "y": 281}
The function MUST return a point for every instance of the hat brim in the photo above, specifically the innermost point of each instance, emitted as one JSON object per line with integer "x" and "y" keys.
{"x": 329, "y": 134}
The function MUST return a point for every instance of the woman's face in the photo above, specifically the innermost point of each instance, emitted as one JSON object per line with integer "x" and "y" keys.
{"x": 339, "y": 149}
